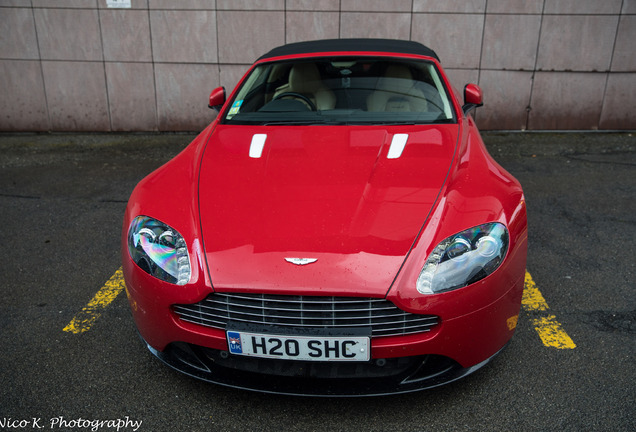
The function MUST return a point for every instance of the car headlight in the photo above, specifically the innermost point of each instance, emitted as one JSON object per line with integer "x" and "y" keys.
{"x": 159, "y": 250}
{"x": 464, "y": 258}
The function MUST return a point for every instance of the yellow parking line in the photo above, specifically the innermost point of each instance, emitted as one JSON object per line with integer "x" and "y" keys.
{"x": 552, "y": 334}
{"x": 88, "y": 315}
{"x": 549, "y": 329}
{"x": 532, "y": 298}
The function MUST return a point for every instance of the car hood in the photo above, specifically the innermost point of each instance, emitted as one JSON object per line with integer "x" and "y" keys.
{"x": 333, "y": 194}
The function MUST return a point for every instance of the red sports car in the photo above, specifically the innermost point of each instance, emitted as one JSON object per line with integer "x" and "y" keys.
{"x": 338, "y": 229}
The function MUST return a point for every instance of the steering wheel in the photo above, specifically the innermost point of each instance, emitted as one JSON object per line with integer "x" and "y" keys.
{"x": 295, "y": 95}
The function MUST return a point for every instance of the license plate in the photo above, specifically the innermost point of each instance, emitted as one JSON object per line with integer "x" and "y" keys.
{"x": 319, "y": 348}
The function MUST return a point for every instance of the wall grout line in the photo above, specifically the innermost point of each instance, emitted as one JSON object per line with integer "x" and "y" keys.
{"x": 47, "y": 27}
{"x": 534, "y": 69}
{"x": 49, "y": 125}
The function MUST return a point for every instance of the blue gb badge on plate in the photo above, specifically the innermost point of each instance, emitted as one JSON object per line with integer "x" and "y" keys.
{"x": 234, "y": 342}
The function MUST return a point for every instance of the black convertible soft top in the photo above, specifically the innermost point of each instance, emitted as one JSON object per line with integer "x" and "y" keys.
{"x": 335, "y": 45}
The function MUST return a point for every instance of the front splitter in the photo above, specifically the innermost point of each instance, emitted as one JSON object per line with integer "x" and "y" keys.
{"x": 377, "y": 378}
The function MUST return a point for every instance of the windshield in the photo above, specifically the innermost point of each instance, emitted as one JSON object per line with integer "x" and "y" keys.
{"x": 342, "y": 90}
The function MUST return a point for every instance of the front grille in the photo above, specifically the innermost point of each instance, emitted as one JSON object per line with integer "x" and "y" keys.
{"x": 384, "y": 318}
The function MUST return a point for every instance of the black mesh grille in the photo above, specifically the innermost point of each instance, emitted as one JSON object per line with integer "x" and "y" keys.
{"x": 384, "y": 318}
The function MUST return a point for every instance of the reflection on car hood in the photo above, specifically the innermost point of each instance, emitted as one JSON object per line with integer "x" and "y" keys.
{"x": 336, "y": 195}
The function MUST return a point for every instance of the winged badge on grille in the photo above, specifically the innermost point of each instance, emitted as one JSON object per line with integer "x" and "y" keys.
{"x": 301, "y": 261}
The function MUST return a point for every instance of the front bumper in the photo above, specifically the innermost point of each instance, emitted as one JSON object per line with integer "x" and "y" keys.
{"x": 376, "y": 378}
{"x": 467, "y": 337}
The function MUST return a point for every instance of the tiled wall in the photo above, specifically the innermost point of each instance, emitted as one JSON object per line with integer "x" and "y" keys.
{"x": 77, "y": 65}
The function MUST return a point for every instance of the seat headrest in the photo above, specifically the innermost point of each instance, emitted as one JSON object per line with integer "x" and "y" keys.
{"x": 396, "y": 78}
{"x": 304, "y": 78}
{"x": 398, "y": 71}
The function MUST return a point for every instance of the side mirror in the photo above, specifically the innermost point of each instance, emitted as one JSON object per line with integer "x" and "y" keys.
{"x": 217, "y": 98}
{"x": 473, "y": 98}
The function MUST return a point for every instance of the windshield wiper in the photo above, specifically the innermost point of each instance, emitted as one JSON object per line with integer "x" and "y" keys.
{"x": 395, "y": 123}
{"x": 318, "y": 121}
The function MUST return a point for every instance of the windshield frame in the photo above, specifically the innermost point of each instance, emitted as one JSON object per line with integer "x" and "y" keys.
{"x": 267, "y": 78}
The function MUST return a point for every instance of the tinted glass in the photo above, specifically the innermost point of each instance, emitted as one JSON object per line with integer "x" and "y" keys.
{"x": 362, "y": 90}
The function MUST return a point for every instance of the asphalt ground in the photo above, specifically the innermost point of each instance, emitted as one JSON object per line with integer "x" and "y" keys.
{"x": 62, "y": 199}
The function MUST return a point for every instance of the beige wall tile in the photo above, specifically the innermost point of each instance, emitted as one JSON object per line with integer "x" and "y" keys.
{"x": 460, "y": 77}
{"x": 182, "y": 4}
{"x": 76, "y": 95}
{"x": 313, "y": 5}
{"x": 82, "y": 4}
{"x": 510, "y": 42}
{"x": 182, "y": 95}
{"x": 17, "y": 3}
{"x": 454, "y": 6}
{"x": 619, "y": 105}
{"x": 126, "y": 35}
{"x": 74, "y": 44}
{"x": 240, "y": 5}
{"x": 17, "y": 38}
{"x": 582, "y": 6}
{"x": 236, "y": 45}
{"x": 566, "y": 100}
{"x": 230, "y": 75}
{"x": 629, "y": 7}
{"x": 134, "y": 4}
{"x": 131, "y": 95}
{"x": 183, "y": 36}
{"x": 303, "y": 26}
{"x": 375, "y": 25}
{"x": 456, "y": 49}
{"x": 23, "y": 104}
{"x": 576, "y": 42}
{"x": 506, "y": 98}
{"x": 515, "y": 6}
{"x": 375, "y": 5}
{"x": 68, "y": 34}
{"x": 624, "y": 58}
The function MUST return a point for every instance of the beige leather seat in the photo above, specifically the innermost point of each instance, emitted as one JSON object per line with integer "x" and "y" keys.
{"x": 396, "y": 92}
{"x": 304, "y": 78}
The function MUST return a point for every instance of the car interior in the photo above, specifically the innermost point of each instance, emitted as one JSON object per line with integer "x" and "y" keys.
{"x": 347, "y": 87}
